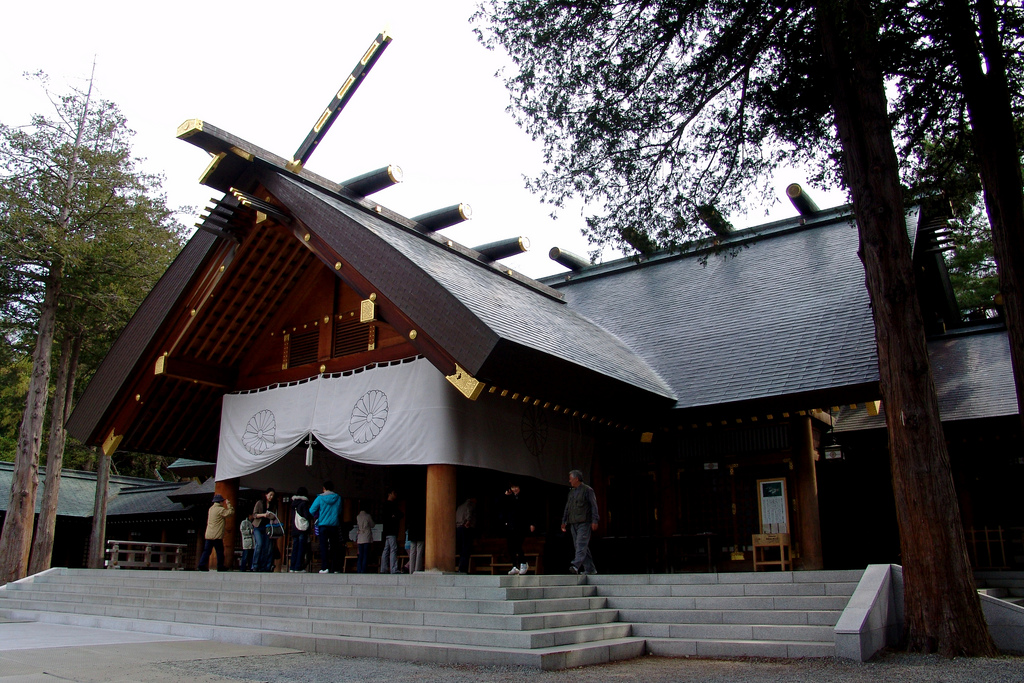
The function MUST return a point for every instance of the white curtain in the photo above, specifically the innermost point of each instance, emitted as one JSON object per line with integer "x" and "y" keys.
{"x": 406, "y": 413}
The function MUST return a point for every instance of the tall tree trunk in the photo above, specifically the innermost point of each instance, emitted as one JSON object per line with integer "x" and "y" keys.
{"x": 16, "y": 539}
{"x": 995, "y": 145}
{"x": 943, "y": 612}
{"x": 98, "y": 537}
{"x": 42, "y": 547}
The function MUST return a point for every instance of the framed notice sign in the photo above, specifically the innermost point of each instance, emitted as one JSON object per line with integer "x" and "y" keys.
{"x": 772, "y": 509}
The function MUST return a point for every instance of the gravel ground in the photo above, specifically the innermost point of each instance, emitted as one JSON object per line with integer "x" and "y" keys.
{"x": 314, "y": 668}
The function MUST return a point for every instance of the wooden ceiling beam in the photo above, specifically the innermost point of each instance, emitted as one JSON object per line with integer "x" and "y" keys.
{"x": 197, "y": 372}
{"x": 166, "y": 431}
{"x": 200, "y": 297}
{"x": 184, "y": 432}
{"x": 243, "y": 268}
{"x": 274, "y": 288}
{"x": 303, "y": 287}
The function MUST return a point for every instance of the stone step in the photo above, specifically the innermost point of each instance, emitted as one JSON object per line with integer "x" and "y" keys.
{"x": 766, "y": 633}
{"x": 832, "y": 576}
{"x": 550, "y": 658}
{"x": 317, "y": 606}
{"x": 314, "y": 609}
{"x": 764, "y": 617}
{"x": 216, "y": 580}
{"x": 1012, "y": 587}
{"x": 727, "y": 590}
{"x": 679, "y": 647}
{"x": 235, "y": 594}
{"x": 455, "y": 634}
{"x": 814, "y": 603}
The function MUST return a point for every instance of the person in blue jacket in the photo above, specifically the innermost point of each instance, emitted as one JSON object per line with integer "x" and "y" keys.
{"x": 327, "y": 509}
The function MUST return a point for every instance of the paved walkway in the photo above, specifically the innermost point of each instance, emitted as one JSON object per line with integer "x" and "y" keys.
{"x": 33, "y": 652}
{"x": 36, "y": 651}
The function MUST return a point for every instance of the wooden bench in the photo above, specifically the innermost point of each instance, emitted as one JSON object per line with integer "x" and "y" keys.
{"x": 481, "y": 563}
{"x": 145, "y": 555}
{"x": 532, "y": 559}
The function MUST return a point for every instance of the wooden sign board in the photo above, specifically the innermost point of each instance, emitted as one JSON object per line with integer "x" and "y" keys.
{"x": 772, "y": 509}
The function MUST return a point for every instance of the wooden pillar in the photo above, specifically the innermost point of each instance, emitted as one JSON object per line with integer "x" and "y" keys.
{"x": 229, "y": 489}
{"x": 807, "y": 485}
{"x": 668, "y": 496}
{"x": 98, "y": 537}
{"x": 348, "y": 510}
{"x": 599, "y": 482}
{"x": 441, "y": 503}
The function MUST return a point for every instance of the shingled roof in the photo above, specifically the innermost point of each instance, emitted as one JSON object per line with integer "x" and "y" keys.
{"x": 78, "y": 493}
{"x": 973, "y": 380}
{"x": 494, "y": 326}
{"x": 777, "y": 311}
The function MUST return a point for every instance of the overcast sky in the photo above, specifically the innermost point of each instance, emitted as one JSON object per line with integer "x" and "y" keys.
{"x": 264, "y": 71}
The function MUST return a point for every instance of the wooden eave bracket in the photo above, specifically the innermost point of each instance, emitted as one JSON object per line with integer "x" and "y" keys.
{"x": 195, "y": 372}
{"x": 468, "y": 386}
{"x": 111, "y": 443}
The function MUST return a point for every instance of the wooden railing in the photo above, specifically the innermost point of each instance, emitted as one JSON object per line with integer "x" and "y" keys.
{"x": 145, "y": 555}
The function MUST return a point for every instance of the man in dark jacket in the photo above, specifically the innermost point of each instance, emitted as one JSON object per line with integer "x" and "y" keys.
{"x": 515, "y": 517}
{"x": 581, "y": 516}
{"x": 392, "y": 516}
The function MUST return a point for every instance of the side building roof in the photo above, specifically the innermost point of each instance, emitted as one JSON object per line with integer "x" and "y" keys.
{"x": 78, "y": 493}
{"x": 973, "y": 380}
{"x": 778, "y": 311}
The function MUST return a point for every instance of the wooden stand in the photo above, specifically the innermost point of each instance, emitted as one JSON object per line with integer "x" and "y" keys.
{"x": 763, "y": 542}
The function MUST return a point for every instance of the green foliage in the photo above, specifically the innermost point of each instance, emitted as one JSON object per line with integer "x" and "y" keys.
{"x": 75, "y": 207}
{"x": 948, "y": 169}
{"x": 14, "y": 369}
{"x": 930, "y": 103}
{"x": 931, "y": 116}
{"x": 143, "y": 465}
{"x": 651, "y": 110}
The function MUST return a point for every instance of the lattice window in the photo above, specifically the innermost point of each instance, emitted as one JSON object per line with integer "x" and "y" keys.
{"x": 303, "y": 347}
{"x": 352, "y": 336}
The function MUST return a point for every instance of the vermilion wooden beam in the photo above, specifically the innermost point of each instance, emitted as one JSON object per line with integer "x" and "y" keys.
{"x": 190, "y": 370}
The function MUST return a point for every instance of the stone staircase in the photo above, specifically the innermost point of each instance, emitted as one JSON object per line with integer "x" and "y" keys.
{"x": 776, "y": 614}
{"x": 1007, "y": 586}
{"x": 546, "y": 622}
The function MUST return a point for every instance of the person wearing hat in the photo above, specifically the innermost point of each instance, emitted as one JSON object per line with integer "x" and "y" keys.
{"x": 215, "y": 519}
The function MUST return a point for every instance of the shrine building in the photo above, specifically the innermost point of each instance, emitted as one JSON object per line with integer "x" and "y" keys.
{"x": 711, "y": 397}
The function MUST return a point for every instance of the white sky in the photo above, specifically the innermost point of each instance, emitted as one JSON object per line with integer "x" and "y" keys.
{"x": 264, "y": 71}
